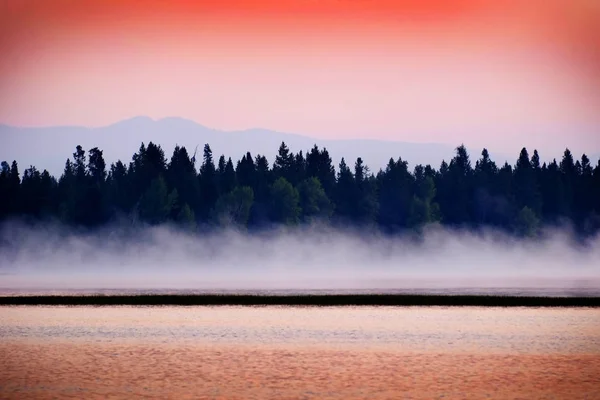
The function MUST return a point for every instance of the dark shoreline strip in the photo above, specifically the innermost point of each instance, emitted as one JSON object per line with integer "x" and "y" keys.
{"x": 302, "y": 300}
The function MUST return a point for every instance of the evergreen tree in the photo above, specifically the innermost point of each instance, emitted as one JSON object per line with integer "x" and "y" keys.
{"x": 525, "y": 184}
{"x": 365, "y": 203}
{"x": 221, "y": 166}
{"x": 554, "y": 206}
{"x": 314, "y": 202}
{"x": 395, "y": 195}
{"x": 10, "y": 183}
{"x": 95, "y": 195}
{"x": 233, "y": 208}
{"x": 527, "y": 222}
{"x": 520, "y": 200}
{"x": 74, "y": 207}
{"x": 209, "y": 190}
{"x": 97, "y": 166}
{"x": 37, "y": 193}
{"x": 298, "y": 169}
{"x": 319, "y": 165}
{"x": 594, "y": 193}
{"x": 146, "y": 166}
{"x": 344, "y": 191}
{"x": 262, "y": 179}
{"x": 484, "y": 197}
{"x": 568, "y": 176}
{"x": 186, "y": 217}
{"x": 285, "y": 201}
{"x": 156, "y": 203}
{"x": 118, "y": 185}
{"x": 246, "y": 171}
{"x": 66, "y": 188}
{"x": 505, "y": 207}
{"x": 423, "y": 209}
{"x": 79, "y": 164}
{"x": 227, "y": 179}
{"x": 181, "y": 176}
{"x": 455, "y": 192}
{"x": 5, "y": 192}
{"x": 284, "y": 164}
{"x": 261, "y": 188}
{"x": 583, "y": 197}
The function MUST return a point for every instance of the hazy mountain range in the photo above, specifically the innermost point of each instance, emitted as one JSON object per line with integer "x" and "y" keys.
{"x": 49, "y": 147}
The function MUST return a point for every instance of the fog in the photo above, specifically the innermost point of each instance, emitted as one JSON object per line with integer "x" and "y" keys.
{"x": 53, "y": 257}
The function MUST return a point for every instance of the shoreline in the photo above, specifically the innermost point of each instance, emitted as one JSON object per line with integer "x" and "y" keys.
{"x": 310, "y": 300}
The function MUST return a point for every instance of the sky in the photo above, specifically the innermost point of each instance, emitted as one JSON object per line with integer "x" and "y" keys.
{"x": 500, "y": 74}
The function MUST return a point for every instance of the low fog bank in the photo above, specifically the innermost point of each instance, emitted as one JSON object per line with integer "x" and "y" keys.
{"x": 50, "y": 256}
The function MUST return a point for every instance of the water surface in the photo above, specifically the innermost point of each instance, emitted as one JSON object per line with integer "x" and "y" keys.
{"x": 294, "y": 352}
{"x": 587, "y": 289}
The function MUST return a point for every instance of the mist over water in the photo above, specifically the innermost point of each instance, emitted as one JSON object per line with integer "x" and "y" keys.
{"x": 52, "y": 257}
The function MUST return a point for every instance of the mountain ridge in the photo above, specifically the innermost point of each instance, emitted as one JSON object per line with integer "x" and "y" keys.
{"x": 48, "y": 147}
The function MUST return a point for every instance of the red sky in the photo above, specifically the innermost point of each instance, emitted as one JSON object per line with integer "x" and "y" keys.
{"x": 429, "y": 70}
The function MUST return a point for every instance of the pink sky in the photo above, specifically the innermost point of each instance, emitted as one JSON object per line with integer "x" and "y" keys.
{"x": 434, "y": 71}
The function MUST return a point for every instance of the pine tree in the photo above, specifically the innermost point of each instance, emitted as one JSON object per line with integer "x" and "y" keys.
{"x": 209, "y": 190}
{"x": 284, "y": 164}
{"x": 344, "y": 191}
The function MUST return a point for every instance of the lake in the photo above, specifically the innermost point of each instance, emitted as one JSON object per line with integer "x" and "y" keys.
{"x": 300, "y": 353}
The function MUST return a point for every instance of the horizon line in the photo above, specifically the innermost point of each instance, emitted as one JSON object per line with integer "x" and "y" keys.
{"x": 592, "y": 153}
{"x": 200, "y": 125}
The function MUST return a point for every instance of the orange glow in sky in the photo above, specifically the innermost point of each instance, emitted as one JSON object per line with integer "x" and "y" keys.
{"x": 500, "y": 74}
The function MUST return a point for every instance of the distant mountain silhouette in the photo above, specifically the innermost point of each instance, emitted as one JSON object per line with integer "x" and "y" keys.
{"x": 49, "y": 147}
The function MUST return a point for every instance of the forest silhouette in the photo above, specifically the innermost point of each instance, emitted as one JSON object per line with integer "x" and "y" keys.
{"x": 301, "y": 188}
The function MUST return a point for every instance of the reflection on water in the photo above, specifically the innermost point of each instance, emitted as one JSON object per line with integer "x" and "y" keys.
{"x": 284, "y": 352}
{"x": 389, "y": 328}
{"x": 590, "y": 290}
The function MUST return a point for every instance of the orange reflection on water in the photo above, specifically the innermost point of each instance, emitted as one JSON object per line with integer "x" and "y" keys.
{"x": 163, "y": 371}
{"x": 285, "y": 353}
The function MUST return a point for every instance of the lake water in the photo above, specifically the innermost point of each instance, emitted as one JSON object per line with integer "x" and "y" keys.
{"x": 590, "y": 289}
{"x": 298, "y": 353}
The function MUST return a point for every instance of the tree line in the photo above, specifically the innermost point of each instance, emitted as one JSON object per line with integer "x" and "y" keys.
{"x": 305, "y": 187}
